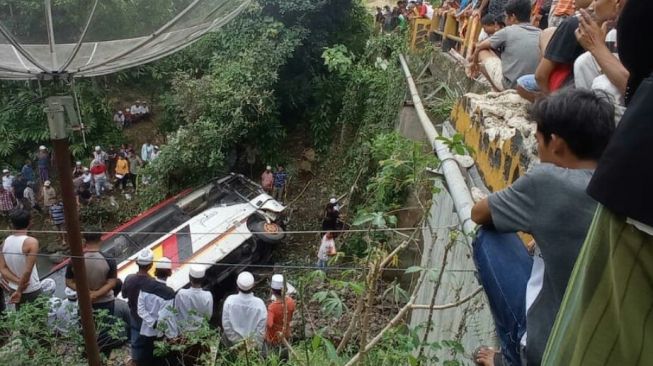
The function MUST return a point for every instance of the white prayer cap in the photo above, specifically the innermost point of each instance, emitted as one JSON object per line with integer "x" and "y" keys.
{"x": 164, "y": 263}
{"x": 5, "y": 171}
{"x": 85, "y": 169}
{"x": 48, "y": 286}
{"x": 78, "y": 163}
{"x": 47, "y": 183}
{"x": 145, "y": 257}
{"x": 277, "y": 284}
{"x": 268, "y": 168}
{"x": 70, "y": 293}
{"x": 333, "y": 200}
{"x": 98, "y": 148}
{"x": 245, "y": 281}
{"x": 197, "y": 271}
{"x": 42, "y": 147}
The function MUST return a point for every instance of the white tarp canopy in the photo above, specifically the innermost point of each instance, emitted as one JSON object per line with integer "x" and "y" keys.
{"x": 43, "y": 38}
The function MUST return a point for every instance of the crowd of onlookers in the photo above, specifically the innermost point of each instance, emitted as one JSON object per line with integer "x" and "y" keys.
{"x": 137, "y": 112}
{"x": 143, "y": 309}
{"x": 581, "y": 292}
{"x": 388, "y": 20}
{"x": 108, "y": 170}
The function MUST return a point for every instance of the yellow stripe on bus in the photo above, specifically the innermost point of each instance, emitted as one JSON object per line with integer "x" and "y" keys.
{"x": 158, "y": 254}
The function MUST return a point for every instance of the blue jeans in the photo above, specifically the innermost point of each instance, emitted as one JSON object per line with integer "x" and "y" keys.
{"x": 142, "y": 347}
{"x": 504, "y": 267}
{"x": 322, "y": 264}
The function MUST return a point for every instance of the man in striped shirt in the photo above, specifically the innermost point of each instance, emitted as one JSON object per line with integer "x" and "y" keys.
{"x": 58, "y": 220}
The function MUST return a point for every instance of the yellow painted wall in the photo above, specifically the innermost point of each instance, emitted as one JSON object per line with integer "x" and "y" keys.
{"x": 497, "y": 162}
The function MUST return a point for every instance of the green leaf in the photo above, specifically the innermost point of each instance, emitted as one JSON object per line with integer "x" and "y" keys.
{"x": 315, "y": 342}
{"x": 413, "y": 269}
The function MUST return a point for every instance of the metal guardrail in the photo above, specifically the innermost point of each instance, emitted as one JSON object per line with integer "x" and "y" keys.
{"x": 459, "y": 33}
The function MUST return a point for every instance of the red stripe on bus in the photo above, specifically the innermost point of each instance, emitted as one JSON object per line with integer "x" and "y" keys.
{"x": 171, "y": 250}
{"x": 145, "y": 214}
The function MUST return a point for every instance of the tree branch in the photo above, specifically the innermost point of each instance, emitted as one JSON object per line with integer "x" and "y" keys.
{"x": 449, "y": 305}
{"x": 400, "y": 315}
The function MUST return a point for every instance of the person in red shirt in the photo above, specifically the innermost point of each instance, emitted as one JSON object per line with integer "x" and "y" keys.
{"x": 267, "y": 180}
{"x": 98, "y": 170}
{"x": 278, "y": 325}
{"x": 421, "y": 9}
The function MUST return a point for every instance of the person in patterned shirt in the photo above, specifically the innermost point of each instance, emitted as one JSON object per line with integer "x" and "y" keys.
{"x": 7, "y": 201}
{"x": 280, "y": 180}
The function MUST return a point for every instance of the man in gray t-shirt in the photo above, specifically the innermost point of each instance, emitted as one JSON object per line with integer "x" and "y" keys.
{"x": 549, "y": 203}
{"x": 511, "y": 52}
{"x": 101, "y": 273}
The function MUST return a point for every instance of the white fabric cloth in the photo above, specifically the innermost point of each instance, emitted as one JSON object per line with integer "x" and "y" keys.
{"x": 15, "y": 259}
{"x": 244, "y": 316}
{"x": 191, "y": 306}
{"x": 149, "y": 306}
{"x": 29, "y": 194}
{"x": 54, "y": 303}
{"x": 133, "y": 110}
{"x": 586, "y": 69}
{"x": 67, "y": 317}
{"x": 640, "y": 226}
{"x": 325, "y": 247}
{"x": 535, "y": 282}
{"x": 7, "y": 181}
{"x": 146, "y": 152}
{"x": 588, "y": 73}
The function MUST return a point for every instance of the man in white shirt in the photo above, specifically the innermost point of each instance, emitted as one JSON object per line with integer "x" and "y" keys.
{"x": 135, "y": 109}
{"x": 244, "y": 315}
{"x": 146, "y": 151}
{"x": 7, "y": 180}
{"x": 194, "y": 305}
{"x": 67, "y": 315}
{"x": 18, "y": 261}
{"x": 153, "y": 297}
{"x": 119, "y": 119}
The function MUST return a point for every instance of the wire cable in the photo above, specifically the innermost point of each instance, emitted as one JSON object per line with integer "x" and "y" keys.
{"x": 220, "y": 264}
{"x": 117, "y": 232}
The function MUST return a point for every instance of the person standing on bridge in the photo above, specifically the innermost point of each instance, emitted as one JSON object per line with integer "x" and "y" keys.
{"x": 244, "y": 315}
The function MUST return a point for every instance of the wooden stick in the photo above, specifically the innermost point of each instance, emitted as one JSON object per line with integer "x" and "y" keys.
{"x": 400, "y": 315}
{"x": 300, "y": 193}
{"x": 436, "y": 289}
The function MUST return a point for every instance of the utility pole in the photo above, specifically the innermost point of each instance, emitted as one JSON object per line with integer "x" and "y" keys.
{"x": 59, "y": 136}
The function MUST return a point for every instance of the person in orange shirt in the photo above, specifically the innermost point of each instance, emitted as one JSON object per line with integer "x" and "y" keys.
{"x": 122, "y": 171}
{"x": 277, "y": 328}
